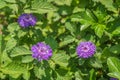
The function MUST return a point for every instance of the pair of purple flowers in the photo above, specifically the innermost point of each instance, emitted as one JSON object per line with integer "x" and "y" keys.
{"x": 41, "y": 51}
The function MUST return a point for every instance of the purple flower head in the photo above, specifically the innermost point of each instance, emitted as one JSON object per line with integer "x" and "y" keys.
{"x": 113, "y": 79}
{"x": 26, "y": 20}
{"x": 86, "y": 49}
{"x": 41, "y": 51}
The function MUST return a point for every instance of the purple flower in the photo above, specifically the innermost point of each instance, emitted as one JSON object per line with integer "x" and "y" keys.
{"x": 26, "y": 20}
{"x": 41, "y": 51}
{"x": 113, "y": 79}
{"x": 86, "y": 49}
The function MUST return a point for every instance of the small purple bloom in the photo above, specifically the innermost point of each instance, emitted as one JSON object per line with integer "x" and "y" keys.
{"x": 26, "y": 20}
{"x": 41, "y": 51}
{"x": 86, "y": 49}
{"x": 113, "y": 79}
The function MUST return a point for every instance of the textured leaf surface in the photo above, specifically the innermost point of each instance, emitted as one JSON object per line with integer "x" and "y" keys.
{"x": 13, "y": 69}
{"x": 19, "y": 51}
{"x": 113, "y": 64}
{"x": 11, "y": 44}
{"x": 61, "y": 59}
{"x": 4, "y": 59}
{"x": 41, "y": 6}
{"x": 67, "y": 40}
{"x": 114, "y": 74}
{"x": 27, "y": 59}
{"x": 108, "y": 4}
{"x": 99, "y": 30}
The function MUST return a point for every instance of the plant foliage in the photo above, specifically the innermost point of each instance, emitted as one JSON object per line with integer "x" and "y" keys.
{"x": 62, "y": 24}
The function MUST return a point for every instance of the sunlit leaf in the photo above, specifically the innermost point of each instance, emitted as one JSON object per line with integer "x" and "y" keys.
{"x": 78, "y": 75}
{"x": 92, "y": 74}
{"x": 113, "y": 64}
{"x": 67, "y": 40}
{"x": 11, "y": 44}
{"x": 109, "y": 5}
{"x": 70, "y": 27}
{"x": 114, "y": 74}
{"x": 13, "y": 27}
{"x": 13, "y": 69}
{"x": 41, "y": 6}
{"x": 60, "y": 58}
{"x": 99, "y": 30}
{"x": 4, "y": 59}
{"x": 116, "y": 31}
{"x": 2, "y": 4}
{"x": 26, "y": 75}
{"x": 19, "y": 51}
{"x": 27, "y": 59}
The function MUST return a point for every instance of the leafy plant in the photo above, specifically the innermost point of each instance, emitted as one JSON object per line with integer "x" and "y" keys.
{"x": 63, "y": 25}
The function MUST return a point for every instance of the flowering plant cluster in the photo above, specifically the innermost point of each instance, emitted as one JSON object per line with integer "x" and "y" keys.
{"x": 59, "y": 40}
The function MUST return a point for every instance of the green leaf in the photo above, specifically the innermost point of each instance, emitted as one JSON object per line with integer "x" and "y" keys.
{"x": 2, "y": 4}
{"x": 2, "y": 76}
{"x": 13, "y": 27}
{"x": 63, "y": 2}
{"x": 26, "y": 75}
{"x": 117, "y": 2}
{"x": 92, "y": 75}
{"x": 99, "y": 30}
{"x": 41, "y": 6}
{"x": 84, "y": 18}
{"x": 105, "y": 54}
{"x": 11, "y": 1}
{"x": 114, "y": 67}
{"x": 24, "y": 1}
{"x": 116, "y": 31}
{"x": 14, "y": 7}
{"x": 52, "y": 42}
{"x": 96, "y": 63}
{"x": 14, "y": 69}
{"x": 11, "y": 44}
{"x": 43, "y": 72}
{"x": 83, "y": 3}
{"x": 39, "y": 72}
{"x": 61, "y": 30}
{"x": 4, "y": 59}
{"x": 19, "y": 51}
{"x": 68, "y": 39}
{"x": 115, "y": 49}
{"x": 113, "y": 64}
{"x": 109, "y": 5}
{"x": 70, "y": 27}
{"x": 60, "y": 58}
{"x": 21, "y": 33}
{"x": 65, "y": 75}
{"x": 78, "y": 75}
{"x": 114, "y": 74}
{"x": 27, "y": 59}
{"x": 100, "y": 14}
